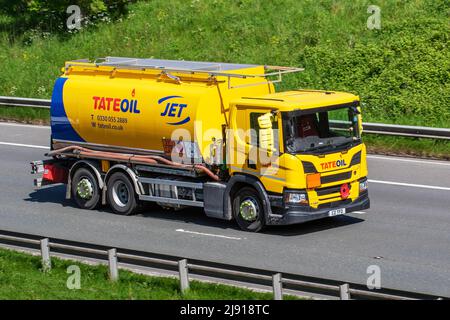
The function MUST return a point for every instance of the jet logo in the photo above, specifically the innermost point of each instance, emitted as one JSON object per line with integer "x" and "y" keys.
{"x": 174, "y": 109}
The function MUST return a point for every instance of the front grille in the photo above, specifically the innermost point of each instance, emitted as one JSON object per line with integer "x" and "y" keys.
{"x": 326, "y": 191}
{"x": 336, "y": 177}
{"x": 330, "y": 190}
{"x": 334, "y": 204}
{"x": 308, "y": 167}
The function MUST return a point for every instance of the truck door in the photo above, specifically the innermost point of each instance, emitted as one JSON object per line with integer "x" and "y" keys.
{"x": 264, "y": 146}
{"x": 254, "y": 129}
{"x": 245, "y": 147}
{"x": 256, "y": 155}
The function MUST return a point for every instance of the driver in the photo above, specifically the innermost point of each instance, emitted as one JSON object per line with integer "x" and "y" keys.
{"x": 307, "y": 126}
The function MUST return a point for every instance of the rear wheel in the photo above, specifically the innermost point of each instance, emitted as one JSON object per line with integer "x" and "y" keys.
{"x": 85, "y": 190}
{"x": 248, "y": 210}
{"x": 121, "y": 194}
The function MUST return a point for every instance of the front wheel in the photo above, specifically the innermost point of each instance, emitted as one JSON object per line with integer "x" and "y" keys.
{"x": 248, "y": 210}
{"x": 121, "y": 194}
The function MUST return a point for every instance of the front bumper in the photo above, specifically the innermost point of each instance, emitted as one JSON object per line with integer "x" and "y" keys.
{"x": 298, "y": 214}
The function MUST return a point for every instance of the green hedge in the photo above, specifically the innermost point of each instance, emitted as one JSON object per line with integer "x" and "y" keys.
{"x": 401, "y": 72}
{"x": 49, "y": 16}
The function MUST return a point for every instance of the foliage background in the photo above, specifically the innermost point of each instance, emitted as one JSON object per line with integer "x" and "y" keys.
{"x": 401, "y": 72}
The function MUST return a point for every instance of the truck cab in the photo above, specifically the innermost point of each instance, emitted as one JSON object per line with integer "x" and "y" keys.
{"x": 305, "y": 148}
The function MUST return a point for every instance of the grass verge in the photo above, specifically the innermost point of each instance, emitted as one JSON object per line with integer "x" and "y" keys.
{"x": 21, "y": 277}
{"x": 25, "y": 115}
{"x": 401, "y": 72}
{"x": 405, "y": 146}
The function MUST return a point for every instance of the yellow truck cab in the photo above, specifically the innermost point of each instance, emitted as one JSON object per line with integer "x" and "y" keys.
{"x": 211, "y": 135}
{"x": 318, "y": 167}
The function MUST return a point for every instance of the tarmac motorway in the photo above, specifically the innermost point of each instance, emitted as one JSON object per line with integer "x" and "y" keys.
{"x": 406, "y": 232}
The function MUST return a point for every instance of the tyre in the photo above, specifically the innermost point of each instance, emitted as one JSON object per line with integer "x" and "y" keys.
{"x": 85, "y": 190}
{"x": 121, "y": 194}
{"x": 248, "y": 210}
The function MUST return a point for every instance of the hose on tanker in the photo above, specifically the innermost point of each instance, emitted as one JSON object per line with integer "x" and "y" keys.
{"x": 85, "y": 152}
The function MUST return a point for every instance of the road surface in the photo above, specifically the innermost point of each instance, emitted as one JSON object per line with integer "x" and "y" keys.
{"x": 406, "y": 232}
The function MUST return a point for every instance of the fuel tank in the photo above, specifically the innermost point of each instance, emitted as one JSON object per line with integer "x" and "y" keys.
{"x": 142, "y": 109}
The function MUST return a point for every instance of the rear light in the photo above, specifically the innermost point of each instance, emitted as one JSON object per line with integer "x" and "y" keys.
{"x": 313, "y": 180}
{"x": 55, "y": 174}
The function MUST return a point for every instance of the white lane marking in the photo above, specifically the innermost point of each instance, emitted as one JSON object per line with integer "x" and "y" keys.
{"x": 208, "y": 234}
{"x": 12, "y": 124}
{"x": 409, "y": 185}
{"x": 358, "y": 212}
{"x": 24, "y": 145}
{"x": 409, "y": 160}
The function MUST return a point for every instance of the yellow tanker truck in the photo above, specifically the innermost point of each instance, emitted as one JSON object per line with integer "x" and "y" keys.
{"x": 212, "y": 135}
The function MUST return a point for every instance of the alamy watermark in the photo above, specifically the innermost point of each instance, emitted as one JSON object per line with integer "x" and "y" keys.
{"x": 374, "y": 20}
{"x": 74, "y": 280}
{"x": 374, "y": 279}
{"x": 74, "y": 20}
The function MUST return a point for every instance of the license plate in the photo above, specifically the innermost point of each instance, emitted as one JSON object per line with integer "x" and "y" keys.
{"x": 336, "y": 212}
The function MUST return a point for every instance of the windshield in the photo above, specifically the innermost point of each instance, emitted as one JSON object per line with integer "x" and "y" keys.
{"x": 322, "y": 131}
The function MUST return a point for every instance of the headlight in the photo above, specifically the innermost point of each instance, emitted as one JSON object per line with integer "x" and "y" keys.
{"x": 363, "y": 185}
{"x": 296, "y": 198}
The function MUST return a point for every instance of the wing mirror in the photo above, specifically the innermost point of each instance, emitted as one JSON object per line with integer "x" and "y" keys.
{"x": 266, "y": 138}
{"x": 360, "y": 124}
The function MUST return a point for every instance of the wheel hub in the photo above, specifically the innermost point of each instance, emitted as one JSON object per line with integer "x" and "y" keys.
{"x": 120, "y": 194}
{"x": 85, "y": 189}
{"x": 248, "y": 210}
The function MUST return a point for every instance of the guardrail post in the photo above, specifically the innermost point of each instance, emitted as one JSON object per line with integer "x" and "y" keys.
{"x": 277, "y": 287}
{"x": 344, "y": 291}
{"x": 184, "y": 278}
{"x": 112, "y": 263}
{"x": 45, "y": 255}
